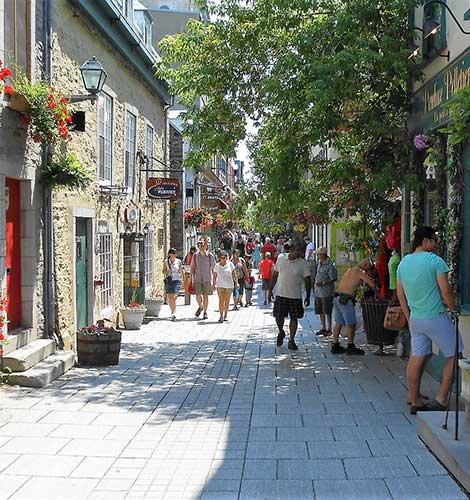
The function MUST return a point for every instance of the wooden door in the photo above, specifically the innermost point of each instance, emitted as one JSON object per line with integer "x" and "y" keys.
{"x": 81, "y": 272}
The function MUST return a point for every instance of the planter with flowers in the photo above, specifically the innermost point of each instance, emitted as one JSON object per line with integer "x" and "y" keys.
{"x": 154, "y": 304}
{"x": 197, "y": 217}
{"x": 98, "y": 345}
{"x": 46, "y": 113}
{"x": 133, "y": 314}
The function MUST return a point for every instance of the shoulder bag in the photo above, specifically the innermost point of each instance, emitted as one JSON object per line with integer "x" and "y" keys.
{"x": 395, "y": 319}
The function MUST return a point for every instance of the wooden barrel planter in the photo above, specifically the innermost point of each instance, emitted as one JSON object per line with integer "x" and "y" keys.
{"x": 98, "y": 350}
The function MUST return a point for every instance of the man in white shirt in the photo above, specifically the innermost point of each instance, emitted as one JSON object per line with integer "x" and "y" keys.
{"x": 290, "y": 274}
{"x": 310, "y": 250}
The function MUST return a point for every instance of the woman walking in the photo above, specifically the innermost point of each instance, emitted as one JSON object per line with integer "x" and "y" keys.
{"x": 256, "y": 254}
{"x": 225, "y": 278}
{"x": 173, "y": 272}
{"x": 242, "y": 274}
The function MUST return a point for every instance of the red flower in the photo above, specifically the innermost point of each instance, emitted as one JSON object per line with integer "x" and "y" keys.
{"x": 7, "y": 71}
{"x": 2, "y": 337}
{"x": 8, "y": 90}
{"x": 52, "y": 104}
{"x": 69, "y": 119}
{"x": 64, "y": 100}
{"x": 26, "y": 119}
{"x": 36, "y": 138}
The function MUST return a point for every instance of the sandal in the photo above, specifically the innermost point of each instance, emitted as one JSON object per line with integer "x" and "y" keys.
{"x": 432, "y": 406}
{"x": 422, "y": 396}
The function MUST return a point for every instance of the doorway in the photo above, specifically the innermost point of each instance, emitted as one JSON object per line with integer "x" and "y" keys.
{"x": 13, "y": 252}
{"x": 81, "y": 271}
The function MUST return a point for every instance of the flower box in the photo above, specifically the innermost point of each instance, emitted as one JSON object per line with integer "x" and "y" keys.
{"x": 19, "y": 103}
{"x": 153, "y": 304}
{"x": 132, "y": 317}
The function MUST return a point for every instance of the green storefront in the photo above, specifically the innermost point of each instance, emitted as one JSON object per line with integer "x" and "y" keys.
{"x": 431, "y": 114}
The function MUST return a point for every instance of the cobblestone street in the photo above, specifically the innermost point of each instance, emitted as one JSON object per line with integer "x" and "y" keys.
{"x": 215, "y": 411}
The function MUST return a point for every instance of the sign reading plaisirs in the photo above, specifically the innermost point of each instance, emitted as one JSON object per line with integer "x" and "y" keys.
{"x": 163, "y": 188}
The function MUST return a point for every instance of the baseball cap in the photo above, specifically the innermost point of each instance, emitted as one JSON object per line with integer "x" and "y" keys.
{"x": 322, "y": 250}
{"x": 268, "y": 254}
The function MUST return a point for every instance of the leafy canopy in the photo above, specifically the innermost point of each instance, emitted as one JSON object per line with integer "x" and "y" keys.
{"x": 307, "y": 72}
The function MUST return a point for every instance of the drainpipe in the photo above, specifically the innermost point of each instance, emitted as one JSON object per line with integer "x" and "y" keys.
{"x": 49, "y": 292}
{"x": 166, "y": 159}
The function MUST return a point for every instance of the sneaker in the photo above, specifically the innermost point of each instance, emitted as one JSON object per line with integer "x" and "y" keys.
{"x": 173, "y": 318}
{"x": 280, "y": 338}
{"x": 198, "y": 312}
{"x": 221, "y": 319}
{"x": 321, "y": 332}
{"x": 265, "y": 302}
{"x": 205, "y": 316}
{"x": 337, "y": 349}
{"x": 225, "y": 318}
{"x": 352, "y": 349}
{"x": 292, "y": 345}
{"x": 235, "y": 308}
{"x": 246, "y": 305}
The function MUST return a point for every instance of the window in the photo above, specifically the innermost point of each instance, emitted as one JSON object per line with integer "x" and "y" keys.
{"x": 17, "y": 31}
{"x": 106, "y": 269}
{"x": 105, "y": 130}
{"x": 434, "y": 16}
{"x": 149, "y": 149}
{"x": 149, "y": 258}
{"x": 147, "y": 32}
{"x": 129, "y": 166}
{"x": 128, "y": 9}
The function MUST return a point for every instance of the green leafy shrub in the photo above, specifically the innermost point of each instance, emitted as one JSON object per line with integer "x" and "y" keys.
{"x": 66, "y": 170}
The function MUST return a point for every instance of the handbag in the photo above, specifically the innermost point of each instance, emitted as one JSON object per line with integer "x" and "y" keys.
{"x": 395, "y": 319}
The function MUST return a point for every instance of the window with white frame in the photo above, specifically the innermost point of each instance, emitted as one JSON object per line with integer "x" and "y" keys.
{"x": 129, "y": 166}
{"x": 105, "y": 131}
{"x": 149, "y": 149}
{"x": 147, "y": 32}
{"x": 149, "y": 257}
{"x": 128, "y": 9}
{"x": 105, "y": 258}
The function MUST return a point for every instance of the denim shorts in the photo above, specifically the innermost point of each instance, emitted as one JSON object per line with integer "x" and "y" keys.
{"x": 344, "y": 314}
{"x": 439, "y": 330}
{"x": 173, "y": 287}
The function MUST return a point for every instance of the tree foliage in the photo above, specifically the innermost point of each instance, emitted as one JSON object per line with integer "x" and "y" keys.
{"x": 307, "y": 72}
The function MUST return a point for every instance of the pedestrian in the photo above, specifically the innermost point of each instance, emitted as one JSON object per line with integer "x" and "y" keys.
{"x": 225, "y": 279}
{"x": 325, "y": 279}
{"x": 423, "y": 288}
{"x": 242, "y": 273}
{"x": 266, "y": 269}
{"x": 343, "y": 305}
{"x": 284, "y": 252}
{"x": 249, "y": 283}
{"x": 257, "y": 254}
{"x": 227, "y": 243}
{"x": 289, "y": 275}
{"x": 310, "y": 259}
{"x": 202, "y": 266}
{"x": 173, "y": 277}
{"x": 188, "y": 285}
{"x": 269, "y": 247}
{"x": 240, "y": 245}
{"x": 189, "y": 256}
{"x": 249, "y": 248}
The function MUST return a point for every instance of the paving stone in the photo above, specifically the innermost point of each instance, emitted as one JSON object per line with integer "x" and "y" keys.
{"x": 378, "y": 468}
{"x": 328, "y": 420}
{"x": 262, "y": 434}
{"x": 276, "y": 421}
{"x": 338, "y": 449}
{"x": 260, "y": 469}
{"x": 32, "y": 445}
{"x": 27, "y": 429}
{"x": 262, "y": 450}
{"x": 45, "y": 488}
{"x": 426, "y": 464}
{"x": 370, "y": 489}
{"x": 425, "y": 488}
{"x": 43, "y": 465}
{"x": 311, "y": 469}
{"x": 400, "y": 447}
{"x": 361, "y": 433}
{"x": 276, "y": 490}
{"x": 10, "y": 484}
{"x": 94, "y": 447}
{"x": 304, "y": 434}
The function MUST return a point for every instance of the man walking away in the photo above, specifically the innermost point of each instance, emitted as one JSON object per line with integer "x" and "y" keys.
{"x": 310, "y": 258}
{"x": 269, "y": 247}
{"x": 202, "y": 266}
{"x": 423, "y": 288}
{"x": 265, "y": 269}
{"x": 325, "y": 278}
{"x": 290, "y": 274}
{"x": 344, "y": 302}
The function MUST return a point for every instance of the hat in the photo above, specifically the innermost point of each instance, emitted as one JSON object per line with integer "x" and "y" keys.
{"x": 268, "y": 254}
{"x": 322, "y": 250}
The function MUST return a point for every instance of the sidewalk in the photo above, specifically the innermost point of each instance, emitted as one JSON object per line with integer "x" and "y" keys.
{"x": 215, "y": 411}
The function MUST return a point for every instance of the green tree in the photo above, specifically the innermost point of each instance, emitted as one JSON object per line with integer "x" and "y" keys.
{"x": 306, "y": 72}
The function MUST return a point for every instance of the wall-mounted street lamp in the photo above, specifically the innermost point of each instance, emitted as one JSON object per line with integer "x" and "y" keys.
{"x": 431, "y": 26}
{"x": 94, "y": 76}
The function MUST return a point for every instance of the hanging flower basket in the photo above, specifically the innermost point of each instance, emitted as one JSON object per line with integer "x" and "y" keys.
{"x": 19, "y": 103}
{"x": 197, "y": 217}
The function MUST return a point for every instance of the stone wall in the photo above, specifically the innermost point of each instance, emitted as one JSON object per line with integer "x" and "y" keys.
{"x": 74, "y": 41}
{"x": 177, "y": 233}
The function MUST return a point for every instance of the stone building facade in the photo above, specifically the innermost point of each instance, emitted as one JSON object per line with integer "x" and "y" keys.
{"x": 109, "y": 239}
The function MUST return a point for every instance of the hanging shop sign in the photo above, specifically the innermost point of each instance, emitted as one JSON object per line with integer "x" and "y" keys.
{"x": 131, "y": 213}
{"x": 211, "y": 201}
{"x": 163, "y": 188}
{"x": 428, "y": 102}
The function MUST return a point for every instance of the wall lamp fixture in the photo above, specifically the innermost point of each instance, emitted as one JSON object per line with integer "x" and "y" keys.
{"x": 431, "y": 26}
{"x": 93, "y": 76}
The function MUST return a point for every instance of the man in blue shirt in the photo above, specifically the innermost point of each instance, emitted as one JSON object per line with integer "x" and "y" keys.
{"x": 423, "y": 288}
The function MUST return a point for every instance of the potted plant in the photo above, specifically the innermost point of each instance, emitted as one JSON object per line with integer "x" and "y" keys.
{"x": 46, "y": 114}
{"x": 133, "y": 314}
{"x": 154, "y": 304}
{"x": 66, "y": 170}
{"x": 98, "y": 345}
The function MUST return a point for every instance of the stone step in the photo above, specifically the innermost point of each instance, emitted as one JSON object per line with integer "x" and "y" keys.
{"x": 25, "y": 357}
{"x": 44, "y": 372}
{"x": 18, "y": 338}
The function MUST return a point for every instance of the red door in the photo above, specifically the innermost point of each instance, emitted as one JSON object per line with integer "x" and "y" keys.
{"x": 13, "y": 255}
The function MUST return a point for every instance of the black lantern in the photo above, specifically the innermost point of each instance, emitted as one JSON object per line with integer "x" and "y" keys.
{"x": 93, "y": 75}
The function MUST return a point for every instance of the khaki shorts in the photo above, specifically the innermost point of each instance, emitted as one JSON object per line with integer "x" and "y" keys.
{"x": 203, "y": 288}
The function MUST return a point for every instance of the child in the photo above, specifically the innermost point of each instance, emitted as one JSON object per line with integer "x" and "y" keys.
{"x": 266, "y": 269}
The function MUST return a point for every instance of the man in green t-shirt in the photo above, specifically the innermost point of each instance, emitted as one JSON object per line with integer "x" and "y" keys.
{"x": 423, "y": 288}
{"x": 392, "y": 273}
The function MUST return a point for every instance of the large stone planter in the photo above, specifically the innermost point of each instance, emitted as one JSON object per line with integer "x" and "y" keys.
{"x": 153, "y": 306}
{"x": 98, "y": 349}
{"x": 132, "y": 317}
{"x": 464, "y": 365}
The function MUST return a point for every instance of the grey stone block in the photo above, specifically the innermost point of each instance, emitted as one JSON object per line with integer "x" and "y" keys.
{"x": 276, "y": 490}
{"x": 276, "y": 421}
{"x": 427, "y": 465}
{"x": 262, "y": 434}
{"x": 396, "y": 447}
{"x": 370, "y": 489}
{"x": 378, "y": 468}
{"x": 277, "y": 450}
{"x": 304, "y": 434}
{"x": 31, "y": 354}
{"x": 260, "y": 469}
{"x": 338, "y": 449}
{"x": 311, "y": 469}
{"x": 328, "y": 420}
{"x": 367, "y": 489}
{"x": 361, "y": 433}
{"x": 44, "y": 372}
{"x": 425, "y": 488}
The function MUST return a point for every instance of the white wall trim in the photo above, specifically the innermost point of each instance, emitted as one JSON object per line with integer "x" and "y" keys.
{"x": 86, "y": 213}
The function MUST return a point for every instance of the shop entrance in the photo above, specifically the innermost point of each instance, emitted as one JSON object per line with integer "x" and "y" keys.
{"x": 134, "y": 269}
{"x": 81, "y": 271}
{"x": 13, "y": 253}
